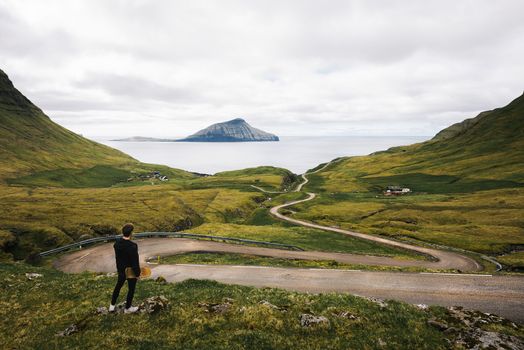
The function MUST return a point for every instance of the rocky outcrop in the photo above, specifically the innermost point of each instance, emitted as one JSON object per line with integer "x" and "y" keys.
{"x": 33, "y": 275}
{"x": 217, "y": 308}
{"x": 236, "y": 130}
{"x": 466, "y": 329}
{"x": 308, "y": 320}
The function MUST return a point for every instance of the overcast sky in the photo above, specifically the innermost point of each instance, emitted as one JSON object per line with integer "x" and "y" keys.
{"x": 169, "y": 68}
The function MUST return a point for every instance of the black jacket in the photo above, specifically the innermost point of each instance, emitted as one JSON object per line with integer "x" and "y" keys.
{"x": 126, "y": 254}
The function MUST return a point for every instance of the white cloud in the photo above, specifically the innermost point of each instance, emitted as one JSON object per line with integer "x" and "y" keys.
{"x": 164, "y": 68}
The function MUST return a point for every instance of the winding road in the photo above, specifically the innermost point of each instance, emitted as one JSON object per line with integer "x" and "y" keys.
{"x": 503, "y": 295}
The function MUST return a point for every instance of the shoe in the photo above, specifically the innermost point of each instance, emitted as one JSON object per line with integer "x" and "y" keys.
{"x": 131, "y": 310}
{"x": 111, "y": 308}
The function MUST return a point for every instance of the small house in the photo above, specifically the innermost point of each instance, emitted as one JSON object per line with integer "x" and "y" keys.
{"x": 396, "y": 191}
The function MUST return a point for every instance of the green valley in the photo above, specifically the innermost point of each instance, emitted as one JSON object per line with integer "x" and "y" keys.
{"x": 61, "y": 188}
{"x": 466, "y": 187}
{"x": 57, "y": 187}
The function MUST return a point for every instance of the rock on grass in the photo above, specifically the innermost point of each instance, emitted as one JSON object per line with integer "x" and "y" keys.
{"x": 308, "y": 320}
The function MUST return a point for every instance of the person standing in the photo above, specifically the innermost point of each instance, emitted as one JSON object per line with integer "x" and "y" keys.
{"x": 126, "y": 255}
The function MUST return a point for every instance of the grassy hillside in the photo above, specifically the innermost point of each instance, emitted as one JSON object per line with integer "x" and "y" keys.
{"x": 485, "y": 154}
{"x": 266, "y": 177}
{"x": 210, "y": 315}
{"x": 57, "y": 186}
{"x": 467, "y": 185}
{"x": 30, "y": 141}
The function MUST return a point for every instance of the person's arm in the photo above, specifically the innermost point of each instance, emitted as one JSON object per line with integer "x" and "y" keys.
{"x": 135, "y": 264}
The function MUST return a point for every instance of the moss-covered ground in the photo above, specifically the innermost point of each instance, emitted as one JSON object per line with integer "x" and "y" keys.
{"x": 32, "y": 312}
{"x": 256, "y": 260}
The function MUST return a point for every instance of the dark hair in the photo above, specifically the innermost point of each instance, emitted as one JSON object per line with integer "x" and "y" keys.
{"x": 127, "y": 229}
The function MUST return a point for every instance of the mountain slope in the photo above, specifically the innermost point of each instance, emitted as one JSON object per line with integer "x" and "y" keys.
{"x": 30, "y": 141}
{"x": 490, "y": 145}
{"x": 236, "y": 130}
{"x": 467, "y": 187}
{"x": 487, "y": 150}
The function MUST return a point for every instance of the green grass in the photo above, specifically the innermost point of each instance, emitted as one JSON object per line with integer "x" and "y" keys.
{"x": 256, "y": 260}
{"x": 437, "y": 183}
{"x": 488, "y": 222}
{"x": 89, "y": 212}
{"x": 266, "y": 177}
{"x": 305, "y": 238}
{"x": 97, "y": 176}
{"x": 513, "y": 261}
{"x": 33, "y": 312}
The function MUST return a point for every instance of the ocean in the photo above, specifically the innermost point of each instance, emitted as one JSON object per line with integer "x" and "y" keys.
{"x": 296, "y": 153}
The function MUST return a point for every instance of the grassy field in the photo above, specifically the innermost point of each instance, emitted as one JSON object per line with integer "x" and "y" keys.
{"x": 101, "y": 176}
{"x": 487, "y": 222}
{"x": 82, "y": 213}
{"x": 513, "y": 261}
{"x": 33, "y": 311}
{"x": 305, "y": 238}
{"x": 256, "y": 260}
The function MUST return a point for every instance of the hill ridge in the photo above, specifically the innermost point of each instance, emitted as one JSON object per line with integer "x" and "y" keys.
{"x": 462, "y": 127}
{"x": 30, "y": 141}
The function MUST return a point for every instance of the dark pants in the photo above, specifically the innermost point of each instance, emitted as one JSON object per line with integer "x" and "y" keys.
{"x": 131, "y": 284}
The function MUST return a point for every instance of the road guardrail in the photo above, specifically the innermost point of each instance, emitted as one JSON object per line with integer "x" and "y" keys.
{"x": 94, "y": 240}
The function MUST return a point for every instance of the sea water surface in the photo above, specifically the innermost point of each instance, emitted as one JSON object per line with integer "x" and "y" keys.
{"x": 296, "y": 153}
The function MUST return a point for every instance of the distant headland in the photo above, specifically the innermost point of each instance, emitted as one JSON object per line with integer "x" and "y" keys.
{"x": 236, "y": 130}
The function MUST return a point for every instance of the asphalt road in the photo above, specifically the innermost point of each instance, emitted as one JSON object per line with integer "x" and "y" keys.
{"x": 503, "y": 295}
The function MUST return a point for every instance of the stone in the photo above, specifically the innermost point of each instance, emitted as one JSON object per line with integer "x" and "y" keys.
{"x": 102, "y": 310}
{"x": 346, "y": 314}
{"x": 477, "y": 339}
{"x": 31, "y": 276}
{"x": 269, "y": 305}
{"x": 68, "y": 331}
{"x": 220, "y": 308}
{"x": 308, "y": 320}
{"x": 438, "y": 325}
{"x": 467, "y": 331}
{"x": 378, "y": 301}
{"x": 215, "y": 308}
{"x": 153, "y": 304}
{"x": 422, "y": 306}
{"x": 105, "y": 275}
